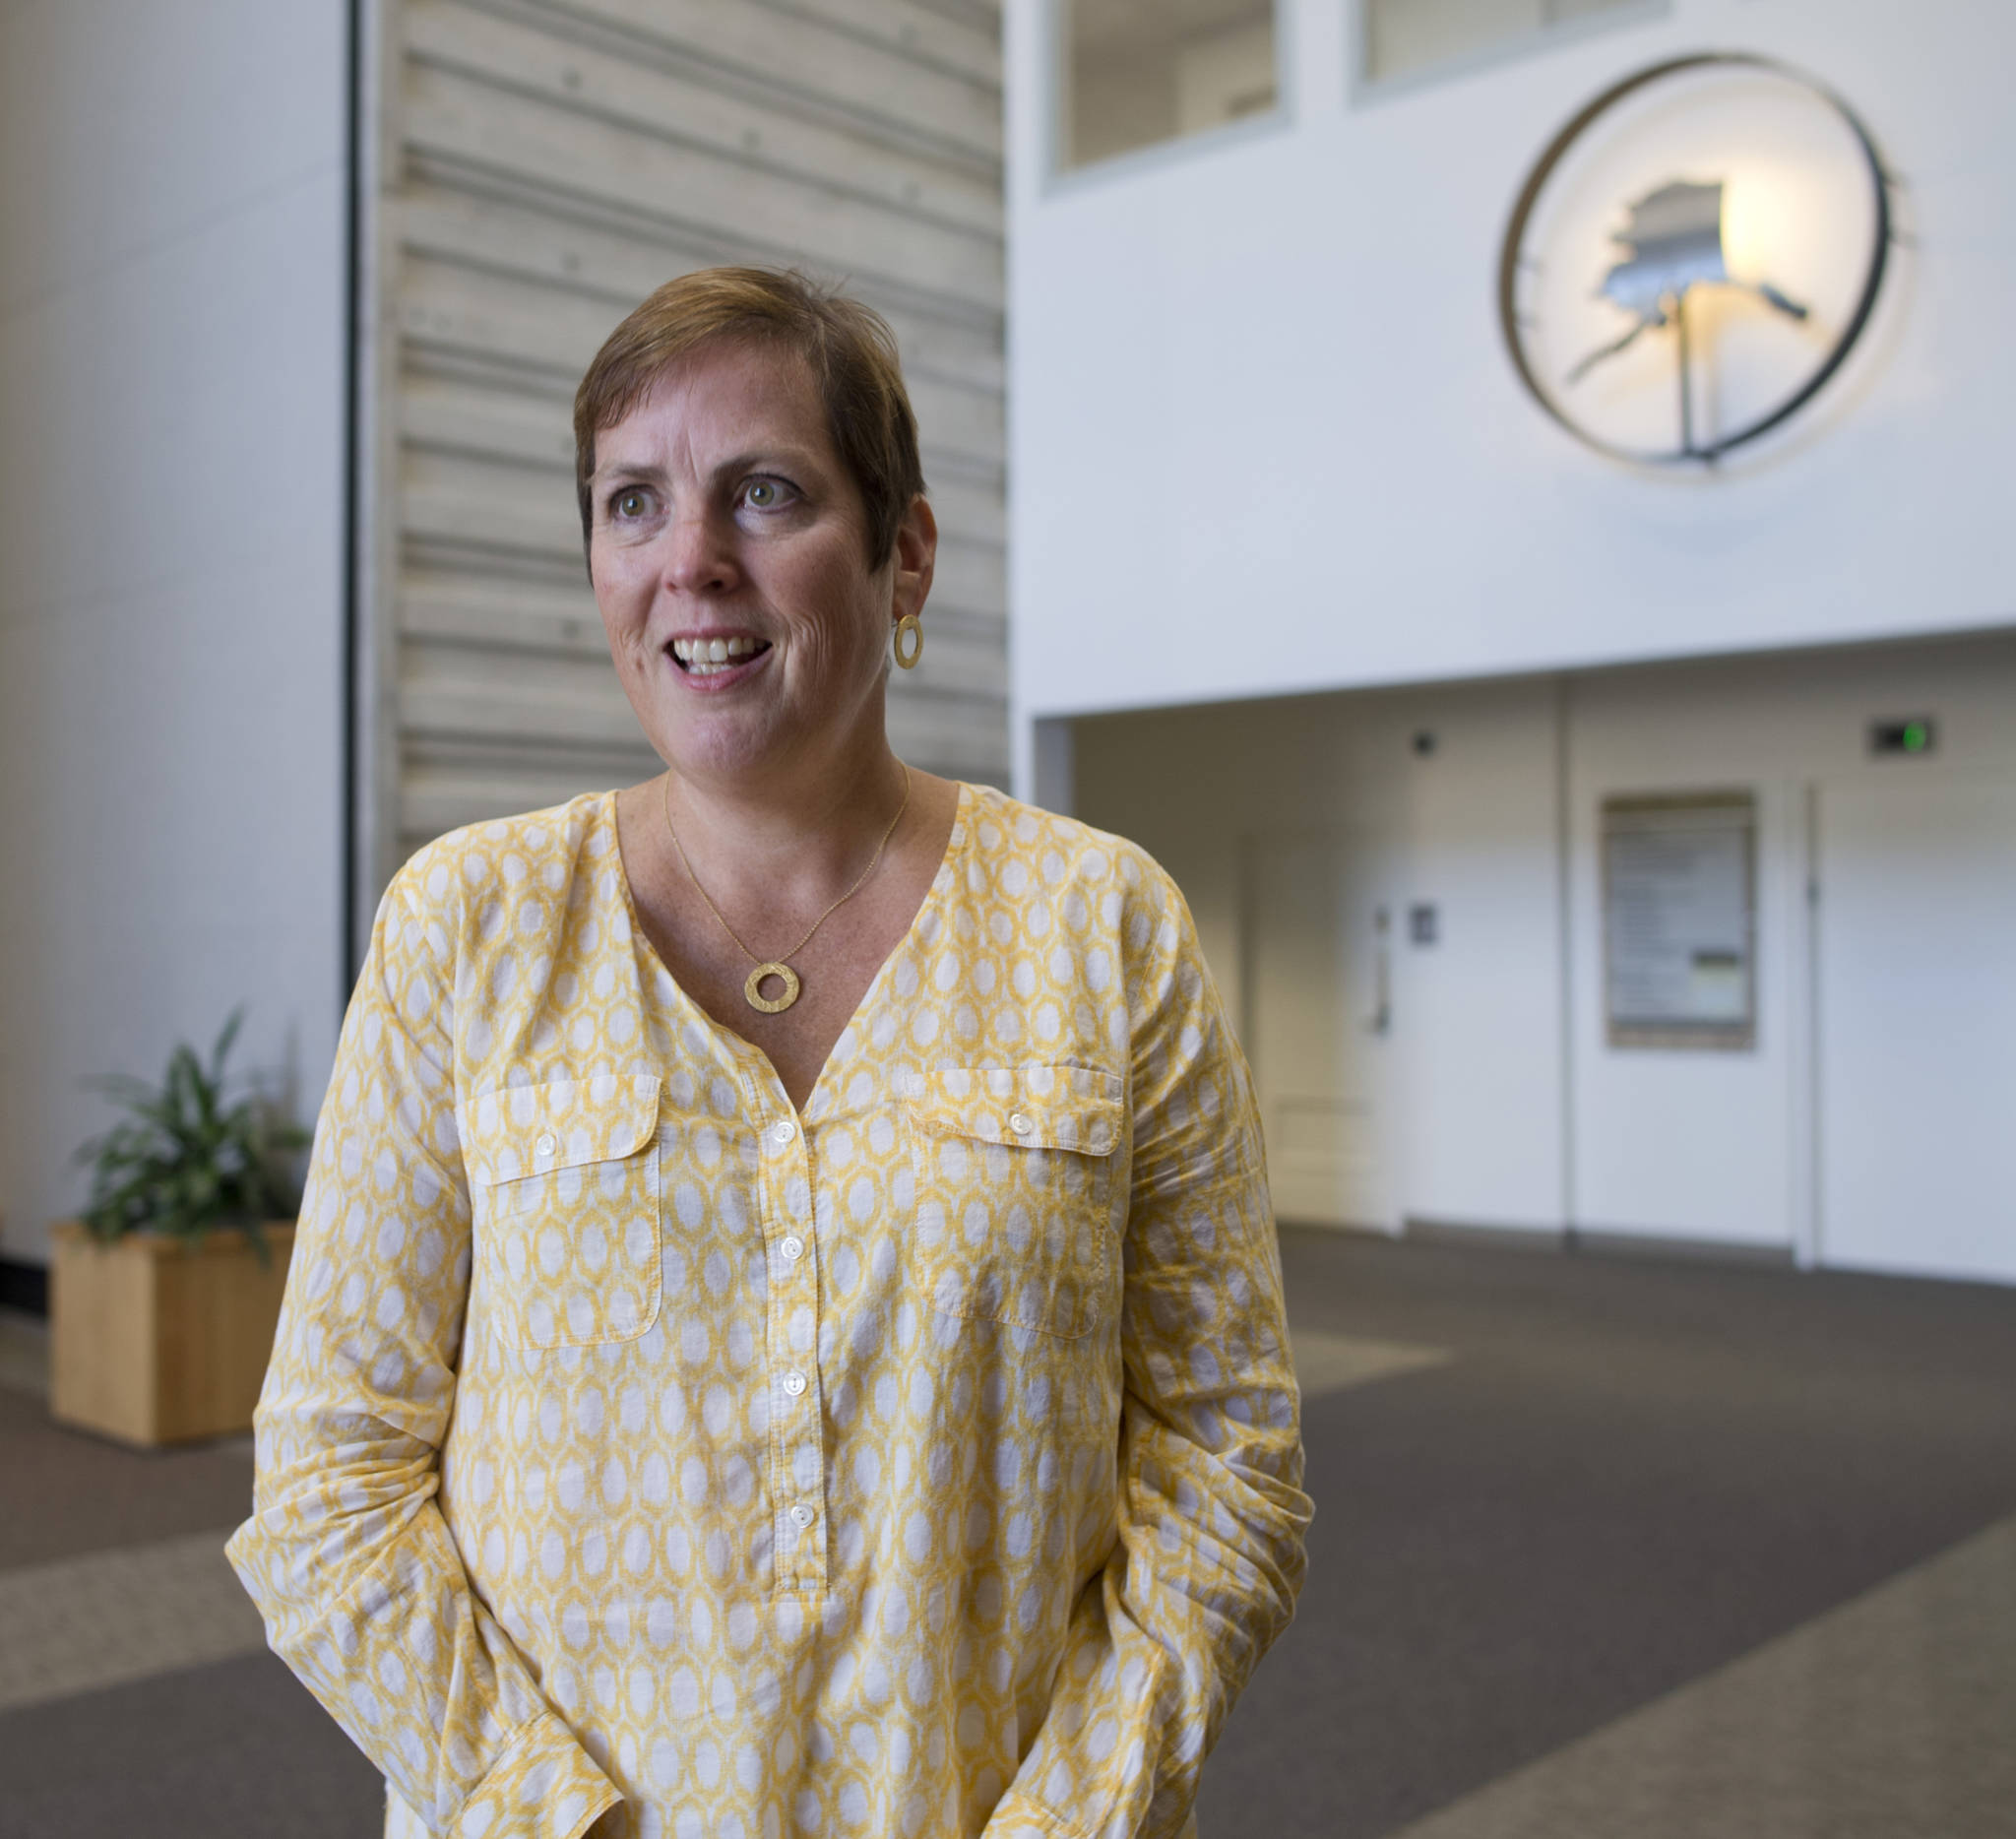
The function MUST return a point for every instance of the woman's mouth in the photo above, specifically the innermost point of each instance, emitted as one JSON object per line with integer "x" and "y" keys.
{"x": 707, "y": 658}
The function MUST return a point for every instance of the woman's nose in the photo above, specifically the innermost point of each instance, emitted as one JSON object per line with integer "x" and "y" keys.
{"x": 699, "y": 555}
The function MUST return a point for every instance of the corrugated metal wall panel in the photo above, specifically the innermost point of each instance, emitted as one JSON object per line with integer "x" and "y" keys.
{"x": 543, "y": 165}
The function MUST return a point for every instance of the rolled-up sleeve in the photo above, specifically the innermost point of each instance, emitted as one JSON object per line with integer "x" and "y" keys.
{"x": 1211, "y": 1515}
{"x": 347, "y": 1554}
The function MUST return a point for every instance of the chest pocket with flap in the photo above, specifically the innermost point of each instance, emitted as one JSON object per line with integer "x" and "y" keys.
{"x": 1015, "y": 1170}
{"x": 565, "y": 1186}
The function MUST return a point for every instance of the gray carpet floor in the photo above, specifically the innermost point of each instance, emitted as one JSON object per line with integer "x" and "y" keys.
{"x": 1583, "y": 1524}
{"x": 1629, "y": 1474}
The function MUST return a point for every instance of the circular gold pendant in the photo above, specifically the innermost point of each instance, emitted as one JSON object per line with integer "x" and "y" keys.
{"x": 752, "y": 990}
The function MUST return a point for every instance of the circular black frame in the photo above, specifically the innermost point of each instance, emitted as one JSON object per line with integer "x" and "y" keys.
{"x": 1556, "y": 149}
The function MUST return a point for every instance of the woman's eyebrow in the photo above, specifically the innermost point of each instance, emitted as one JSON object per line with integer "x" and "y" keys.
{"x": 756, "y": 459}
{"x": 616, "y": 467}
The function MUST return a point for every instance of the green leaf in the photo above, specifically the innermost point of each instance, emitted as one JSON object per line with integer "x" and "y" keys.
{"x": 187, "y": 1156}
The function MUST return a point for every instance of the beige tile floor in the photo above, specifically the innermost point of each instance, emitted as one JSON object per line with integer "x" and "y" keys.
{"x": 109, "y": 1618}
{"x": 77, "y": 1624}
{"x": 1330, "y": 1363}
{"x": 1889, "y": 1717}
{"x": 1892, "y": 1716}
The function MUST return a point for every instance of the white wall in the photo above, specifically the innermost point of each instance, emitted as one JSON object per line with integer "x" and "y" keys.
{"x": 1721, "y": 1145}
{"x": 1507, "y": 1106}
{"x": 1470, "y": 1077}
{"x": 1265, "y": 440}
{"x": 173, "y": 184}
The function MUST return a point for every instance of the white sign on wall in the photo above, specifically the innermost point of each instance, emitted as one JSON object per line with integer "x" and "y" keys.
{"x": 1680, "y": 921}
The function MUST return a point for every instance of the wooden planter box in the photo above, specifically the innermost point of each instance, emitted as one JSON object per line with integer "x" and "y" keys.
{"x": 161, "y": 1340}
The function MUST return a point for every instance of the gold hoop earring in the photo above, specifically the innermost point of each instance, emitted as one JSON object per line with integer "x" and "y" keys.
{"x": 912, "y": 628}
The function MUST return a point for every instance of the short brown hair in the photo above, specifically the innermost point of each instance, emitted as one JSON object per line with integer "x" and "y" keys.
{"x": 850, "y": 351}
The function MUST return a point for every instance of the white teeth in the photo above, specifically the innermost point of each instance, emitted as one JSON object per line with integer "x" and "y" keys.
{"x": 703, "y": 657}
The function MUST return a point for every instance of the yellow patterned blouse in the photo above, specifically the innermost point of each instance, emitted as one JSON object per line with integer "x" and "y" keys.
{"x": 924, "y": 1465}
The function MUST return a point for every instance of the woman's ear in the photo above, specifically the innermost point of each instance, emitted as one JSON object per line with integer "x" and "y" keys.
{"x": 917, "y": 557}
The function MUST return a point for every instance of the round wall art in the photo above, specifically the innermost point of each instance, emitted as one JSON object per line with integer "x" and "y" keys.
{"x": 1694, "y": 256}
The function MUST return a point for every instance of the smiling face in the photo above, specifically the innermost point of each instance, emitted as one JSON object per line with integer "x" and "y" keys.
{"x": 729, "y": 554}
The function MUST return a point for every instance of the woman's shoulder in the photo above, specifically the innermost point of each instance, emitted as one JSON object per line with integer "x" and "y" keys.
{"x": 1057, "y": 852}
{"x": 534, "y": 853}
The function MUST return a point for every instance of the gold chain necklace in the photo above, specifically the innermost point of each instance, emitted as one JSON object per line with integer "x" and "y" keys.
{"x": 752, "y": 989}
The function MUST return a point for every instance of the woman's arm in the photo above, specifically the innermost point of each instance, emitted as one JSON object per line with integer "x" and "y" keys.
{"x": 347, "y": 1554}
{"x": 1211, "y": 1510}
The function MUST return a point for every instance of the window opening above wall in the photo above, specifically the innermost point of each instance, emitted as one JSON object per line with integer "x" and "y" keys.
{"x": 1143, "y": 73}
{"x": 1406, "y": 38}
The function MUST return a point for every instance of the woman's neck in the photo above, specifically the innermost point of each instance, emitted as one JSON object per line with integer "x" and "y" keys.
{"x": 786, "y": 834}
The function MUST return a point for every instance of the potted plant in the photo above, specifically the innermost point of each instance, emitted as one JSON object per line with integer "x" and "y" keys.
{"x": 162, "y": 1324}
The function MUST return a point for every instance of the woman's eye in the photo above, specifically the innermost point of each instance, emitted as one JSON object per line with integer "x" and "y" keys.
{"x": 632, "y": 503}
{"x": 764, "y": 494}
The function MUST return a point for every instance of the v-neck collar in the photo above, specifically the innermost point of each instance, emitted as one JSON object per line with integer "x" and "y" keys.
{"x": 759, "y": 1074}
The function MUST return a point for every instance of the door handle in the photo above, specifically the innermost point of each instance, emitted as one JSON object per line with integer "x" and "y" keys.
{"x": 1381, "y": 1020}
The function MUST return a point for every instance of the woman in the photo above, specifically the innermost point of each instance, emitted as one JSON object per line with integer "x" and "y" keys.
{"x": 838, "y": 1393}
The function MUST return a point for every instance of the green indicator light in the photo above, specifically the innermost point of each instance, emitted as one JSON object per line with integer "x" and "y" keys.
{"x": 1916, "y": 738}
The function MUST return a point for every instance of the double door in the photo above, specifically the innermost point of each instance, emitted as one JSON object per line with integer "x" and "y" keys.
{"x": 1910, "y": 963}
